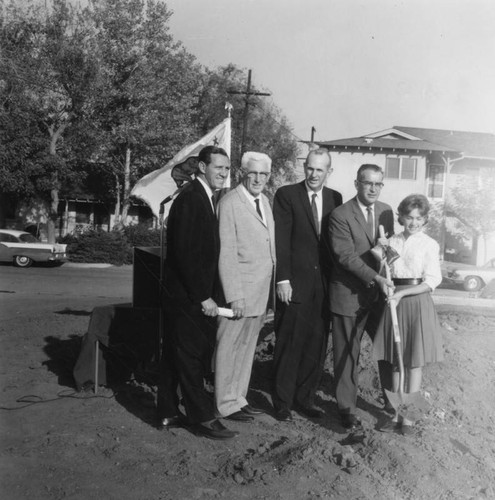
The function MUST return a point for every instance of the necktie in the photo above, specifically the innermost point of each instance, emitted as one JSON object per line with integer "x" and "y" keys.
{"x": 258, "y": 209}
{"x": 370, "y": 222}
{"x": 314, "y": 209}
{"x": 214, "y": 202}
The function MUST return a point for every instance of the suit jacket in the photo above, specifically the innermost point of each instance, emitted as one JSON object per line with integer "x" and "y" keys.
{"x": 247, "y": 254}
{"x": 193, "y": 247}
{"x": 355, "y": 267}
{"x": 299, "y": 250}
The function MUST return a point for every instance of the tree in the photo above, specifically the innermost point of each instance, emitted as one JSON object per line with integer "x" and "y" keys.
{"x": 48, "y": 74}
{"x": 147, "y": 92}
{"x": 472, "y": 203}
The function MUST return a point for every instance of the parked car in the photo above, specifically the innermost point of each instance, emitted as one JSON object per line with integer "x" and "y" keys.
{"x": 22, "y": 249}
{"x": 472, "y": 278}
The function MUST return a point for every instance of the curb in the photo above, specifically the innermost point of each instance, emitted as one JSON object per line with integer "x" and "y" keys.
{"x": 445, "y": 300}
{"x": 94, "y": 265}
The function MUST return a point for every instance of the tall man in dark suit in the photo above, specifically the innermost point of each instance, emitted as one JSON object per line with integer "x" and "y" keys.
{"x": 354, "y": 295}
{"x": 191, "y": 280}
{"x": 303, "y": 264}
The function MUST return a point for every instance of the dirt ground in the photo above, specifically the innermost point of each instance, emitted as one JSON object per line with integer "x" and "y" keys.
{"x": 60, "y": 444}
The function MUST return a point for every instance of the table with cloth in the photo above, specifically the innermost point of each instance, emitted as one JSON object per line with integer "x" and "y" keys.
{"x": 120, "y": 338}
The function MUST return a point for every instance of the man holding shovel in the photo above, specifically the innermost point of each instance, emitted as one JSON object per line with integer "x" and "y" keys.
{"x": 354, "y": 296}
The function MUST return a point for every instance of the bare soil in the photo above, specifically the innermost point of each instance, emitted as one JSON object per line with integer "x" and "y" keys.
{"x": 61, "y": 444}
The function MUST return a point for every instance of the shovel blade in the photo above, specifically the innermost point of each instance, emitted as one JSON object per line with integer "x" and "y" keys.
{"x": 407, "y": 405}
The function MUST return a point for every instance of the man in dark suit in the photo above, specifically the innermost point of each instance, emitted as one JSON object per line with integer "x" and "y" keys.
{"x": 355, "y": 301}
{"x": 303, "y": 265}
{"x": 191, "y": 281}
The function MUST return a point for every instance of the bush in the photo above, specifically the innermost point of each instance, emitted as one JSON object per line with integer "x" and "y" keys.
{"x": 114, "y": 247}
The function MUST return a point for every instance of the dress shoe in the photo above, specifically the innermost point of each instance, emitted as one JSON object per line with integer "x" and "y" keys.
{"x": 349, "y": 420}
{"x": 310, "y": 411}
{"x": 240, "y": 416}
{"x": 213, "y": 430}
{"x": 284, "y": 415}
{"x": 389, "y": 426}
{"x": 251, "y": 410}
{"x": 169, "y": 422}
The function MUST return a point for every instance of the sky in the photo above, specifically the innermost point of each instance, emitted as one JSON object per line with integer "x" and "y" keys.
{"x": 352, "y": 67}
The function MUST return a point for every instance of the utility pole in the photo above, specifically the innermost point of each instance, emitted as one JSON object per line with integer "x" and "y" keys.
{"x": 313, "y": 130}
{"x": 247, "y": 93}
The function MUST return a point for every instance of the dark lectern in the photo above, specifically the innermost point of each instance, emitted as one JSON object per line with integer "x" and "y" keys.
{"x": 146, "y": 277}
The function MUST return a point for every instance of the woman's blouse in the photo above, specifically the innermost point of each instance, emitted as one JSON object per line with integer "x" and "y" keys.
{"x": 419, "y": 258}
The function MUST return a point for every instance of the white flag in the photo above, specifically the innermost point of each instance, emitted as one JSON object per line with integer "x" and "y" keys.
{"x": 158, "y": 185}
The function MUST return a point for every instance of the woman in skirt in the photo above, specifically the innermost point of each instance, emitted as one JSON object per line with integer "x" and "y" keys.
{"x": 416, "y": 273}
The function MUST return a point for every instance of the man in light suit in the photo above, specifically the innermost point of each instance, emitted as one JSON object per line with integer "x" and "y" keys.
{"x": 354, "y": 296}
{"x": 191, "y": 283}
{"x": 301, "y": 213}
{"x": 247, "y": 259}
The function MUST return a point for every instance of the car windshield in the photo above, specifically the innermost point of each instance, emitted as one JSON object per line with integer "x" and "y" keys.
{"x": 28, "y": 238}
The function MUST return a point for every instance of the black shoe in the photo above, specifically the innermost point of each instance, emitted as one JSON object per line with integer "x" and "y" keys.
{"x": 169, "y": 422}
{"x": 389, "y": 426}
{"x": 251, "y": 410}
{"x": 213, "y": 430}
{"x": 240, "y": 416}
{"x": 349, "y": 420}
{"x": 310, "y": 411}
{"x": 284, "y": 415}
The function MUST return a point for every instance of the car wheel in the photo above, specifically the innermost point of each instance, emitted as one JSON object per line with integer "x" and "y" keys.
{"x": 473, "y": 283}
{"x": 22, "y": 261}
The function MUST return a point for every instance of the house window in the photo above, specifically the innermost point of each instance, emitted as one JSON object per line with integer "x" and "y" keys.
{"x": 436, "y": 181}
{"x": 400, "y": 168}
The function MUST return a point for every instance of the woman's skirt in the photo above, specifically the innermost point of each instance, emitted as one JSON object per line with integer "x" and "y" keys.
{"x": 420, "y": 333}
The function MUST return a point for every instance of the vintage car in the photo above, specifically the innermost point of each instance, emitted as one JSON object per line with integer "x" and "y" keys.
{"x": 22, "y": 249}
{"x": 472, "y": 278}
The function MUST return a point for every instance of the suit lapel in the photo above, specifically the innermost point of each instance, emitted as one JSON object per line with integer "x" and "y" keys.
{"x": 206, "y": 200}
{"x": 328, "y": 202}
{"x": 359, "y": 216}
{"x": 250, "y": 207}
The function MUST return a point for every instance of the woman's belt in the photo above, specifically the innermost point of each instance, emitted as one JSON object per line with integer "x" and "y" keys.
{"x": 407, "y": 281}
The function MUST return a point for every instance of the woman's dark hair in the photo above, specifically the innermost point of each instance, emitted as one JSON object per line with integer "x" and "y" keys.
{"x": 409, "y": 203}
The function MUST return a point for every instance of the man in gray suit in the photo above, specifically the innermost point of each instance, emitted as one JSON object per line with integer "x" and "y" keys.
{"x": 354, "y": 297}
{"x": 247, "y": 260}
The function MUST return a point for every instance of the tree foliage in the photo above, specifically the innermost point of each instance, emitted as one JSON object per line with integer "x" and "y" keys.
{"x": 95, "y": 97}
{"x": 473, "y": 204}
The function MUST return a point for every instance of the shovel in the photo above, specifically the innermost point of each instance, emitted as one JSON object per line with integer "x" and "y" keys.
{"x": 407, "y": 405}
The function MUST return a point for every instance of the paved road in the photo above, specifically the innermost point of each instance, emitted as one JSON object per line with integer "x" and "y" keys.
{"x": 67, "y": 287}
{"x": 83, "y": 287}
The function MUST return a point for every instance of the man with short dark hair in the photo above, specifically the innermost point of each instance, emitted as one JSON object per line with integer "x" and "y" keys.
{"x": 247, "y": 259}
{"x": 301, "y": 214}
{"x": 191, "y": 280}
{"x": 355, "y": 301}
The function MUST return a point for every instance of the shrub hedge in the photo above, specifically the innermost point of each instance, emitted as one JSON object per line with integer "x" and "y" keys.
{"x": 114, "y": 247}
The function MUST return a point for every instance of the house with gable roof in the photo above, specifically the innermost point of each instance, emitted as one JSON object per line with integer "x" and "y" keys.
{"x": 427, "y": 161}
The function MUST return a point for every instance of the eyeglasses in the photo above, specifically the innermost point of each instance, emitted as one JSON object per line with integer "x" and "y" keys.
{"x": 369, "y": 185}
{"x": 262, "y": 175}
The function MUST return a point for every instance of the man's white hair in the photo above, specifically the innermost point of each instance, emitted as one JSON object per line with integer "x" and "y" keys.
{"x": 256, "y": 157}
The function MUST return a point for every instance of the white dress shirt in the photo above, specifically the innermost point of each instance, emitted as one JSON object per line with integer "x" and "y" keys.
{"x": 419, "y": 258}
{"x": 318, "y": 201}
{"x": 252, "y": 199}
